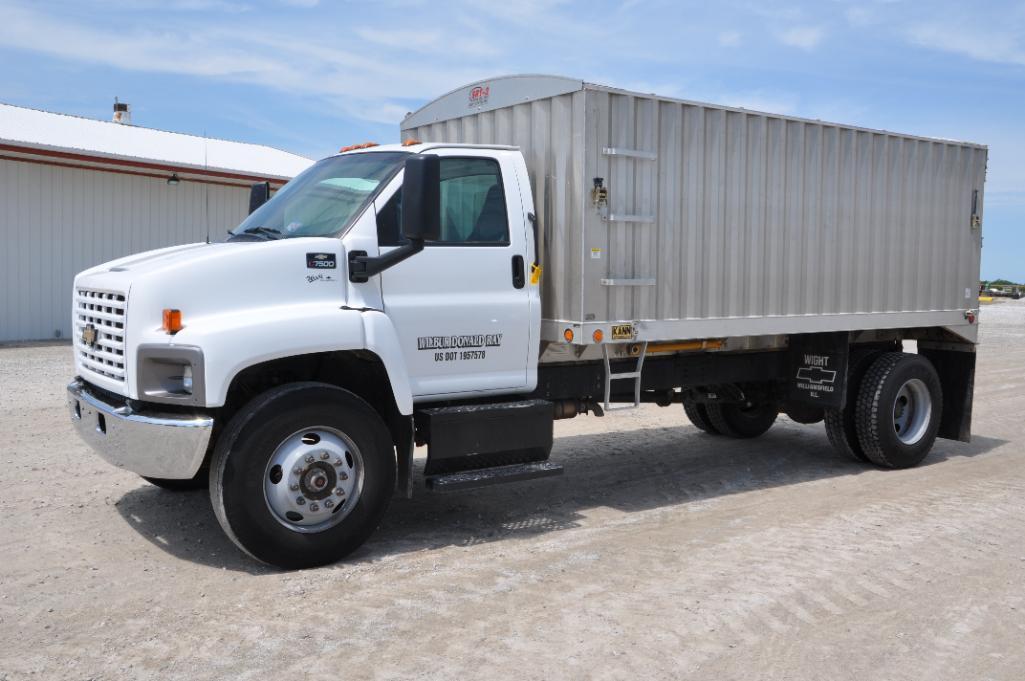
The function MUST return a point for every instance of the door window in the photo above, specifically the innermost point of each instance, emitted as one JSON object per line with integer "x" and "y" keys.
{"x": 473, "y": 208}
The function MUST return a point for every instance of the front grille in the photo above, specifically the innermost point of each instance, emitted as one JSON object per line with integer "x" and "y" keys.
{"x": 102, "y": 313}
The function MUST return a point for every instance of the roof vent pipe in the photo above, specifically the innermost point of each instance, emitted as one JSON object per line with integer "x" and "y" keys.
{"x": 122, "y": 113}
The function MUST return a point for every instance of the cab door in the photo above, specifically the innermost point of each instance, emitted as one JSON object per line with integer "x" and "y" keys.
{"x": 461, "y": 306}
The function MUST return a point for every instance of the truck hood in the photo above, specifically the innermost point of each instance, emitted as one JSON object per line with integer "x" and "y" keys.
{"x": 219, "y": 285}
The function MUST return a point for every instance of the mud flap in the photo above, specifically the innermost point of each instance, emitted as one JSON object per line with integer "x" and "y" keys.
{"x": 818, "y": 369}
{"x": 955, "y": 364}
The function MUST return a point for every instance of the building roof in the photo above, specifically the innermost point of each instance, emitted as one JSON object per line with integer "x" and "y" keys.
{"x": 29, "y": 132}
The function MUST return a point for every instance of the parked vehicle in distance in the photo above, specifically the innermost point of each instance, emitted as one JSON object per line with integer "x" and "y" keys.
{"x": 537, "y": 248}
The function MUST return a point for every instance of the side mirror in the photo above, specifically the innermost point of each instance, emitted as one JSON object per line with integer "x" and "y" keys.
{"x": 259, "y": 194}
{"x": 421, "y": 198}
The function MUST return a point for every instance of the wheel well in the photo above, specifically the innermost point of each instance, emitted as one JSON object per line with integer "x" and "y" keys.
{"x": 359, "y": 371}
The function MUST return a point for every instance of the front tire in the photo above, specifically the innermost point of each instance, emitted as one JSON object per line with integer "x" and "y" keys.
{"x": 900, "y": 403}
{"x": 302, "y": 475}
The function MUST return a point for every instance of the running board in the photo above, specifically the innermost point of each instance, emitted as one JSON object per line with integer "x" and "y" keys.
{"x": 484, "y": 477}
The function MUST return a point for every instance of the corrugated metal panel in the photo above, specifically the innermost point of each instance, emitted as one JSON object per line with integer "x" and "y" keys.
{"x": 734, "y": 214}
{"x": 106, "y": 139}
{"x": 55, "y": 222}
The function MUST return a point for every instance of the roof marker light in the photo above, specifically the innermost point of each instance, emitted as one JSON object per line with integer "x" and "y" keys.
{"x": 354, "y": 147}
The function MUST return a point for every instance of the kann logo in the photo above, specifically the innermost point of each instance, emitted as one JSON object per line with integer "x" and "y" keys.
{"x": 816, "y": 375}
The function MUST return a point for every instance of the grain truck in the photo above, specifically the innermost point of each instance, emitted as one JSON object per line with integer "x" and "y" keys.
{"x": 537, "y": 248}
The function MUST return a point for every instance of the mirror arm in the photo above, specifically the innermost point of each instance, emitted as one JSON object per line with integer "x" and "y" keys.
{"x": 363, "y": 266}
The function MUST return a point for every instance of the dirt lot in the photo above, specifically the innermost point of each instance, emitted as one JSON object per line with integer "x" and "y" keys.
{"x": 662, "y": 553}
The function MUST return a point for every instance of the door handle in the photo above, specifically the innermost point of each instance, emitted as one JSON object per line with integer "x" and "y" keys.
{"x": 518, "y": 276}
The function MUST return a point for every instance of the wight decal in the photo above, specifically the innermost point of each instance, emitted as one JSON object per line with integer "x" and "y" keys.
{"x": 815, "y": 376}
{"x": 459, "y": 347}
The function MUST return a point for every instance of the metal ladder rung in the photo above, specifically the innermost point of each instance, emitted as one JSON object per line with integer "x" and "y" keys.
{"x": 635, "y": 375}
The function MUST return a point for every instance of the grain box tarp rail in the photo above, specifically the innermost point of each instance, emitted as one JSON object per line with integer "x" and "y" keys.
{"x": 692, "y": 220}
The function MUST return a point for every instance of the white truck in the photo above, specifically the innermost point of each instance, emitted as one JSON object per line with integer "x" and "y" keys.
{"x": 537, "y": 248}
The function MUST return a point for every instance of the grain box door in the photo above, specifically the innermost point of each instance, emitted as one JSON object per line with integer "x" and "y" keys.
{"x": 620, "y": 253}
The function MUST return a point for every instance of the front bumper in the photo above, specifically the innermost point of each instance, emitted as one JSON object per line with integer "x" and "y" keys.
{"x": 166, "y": 445}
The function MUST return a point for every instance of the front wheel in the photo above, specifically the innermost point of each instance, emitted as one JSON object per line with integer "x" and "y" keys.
{"x": 302, "y": 475}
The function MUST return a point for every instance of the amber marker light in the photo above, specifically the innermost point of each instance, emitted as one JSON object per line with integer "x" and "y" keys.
{"x": 598, "y": 336}
{"x": 568, "y": 335}
{"x": 172, "y": 321}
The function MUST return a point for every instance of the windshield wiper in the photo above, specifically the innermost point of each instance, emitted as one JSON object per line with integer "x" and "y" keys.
{"x": 268, "y": 232}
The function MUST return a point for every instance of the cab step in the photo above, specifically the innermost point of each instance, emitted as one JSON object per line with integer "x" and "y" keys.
{"x": 498, "y": 475}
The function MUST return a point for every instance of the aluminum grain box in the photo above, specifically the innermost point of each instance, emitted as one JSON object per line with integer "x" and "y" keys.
{"x": 726, "y": 222}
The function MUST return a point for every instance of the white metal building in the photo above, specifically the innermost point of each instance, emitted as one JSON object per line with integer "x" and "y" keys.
{"x": 75, "y": 192}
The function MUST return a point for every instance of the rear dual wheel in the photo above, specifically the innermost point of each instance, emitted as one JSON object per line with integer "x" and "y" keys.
{"x": 893, "y": 411}
{"x": 740, "y": 420}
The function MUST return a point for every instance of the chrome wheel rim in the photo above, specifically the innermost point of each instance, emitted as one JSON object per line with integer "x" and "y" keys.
{"x": 314, "y": 479}
{"x": 912, "y": 411}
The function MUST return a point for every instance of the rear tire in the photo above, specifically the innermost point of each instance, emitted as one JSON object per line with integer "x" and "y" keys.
{"x": 841, "y": 429}
{"x": 302, "y": 475}
{"x": 743, "y": 420}
{"x": 698, "y": 415}
{"x": 900, "y": 404}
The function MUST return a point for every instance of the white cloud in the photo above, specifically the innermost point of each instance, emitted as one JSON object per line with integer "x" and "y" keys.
{"x": 985, "y": 44}
{"x": 803, "y": 37}
{"x": 349, "y": 80}
{"x": 859, "y": 15}
{"x": 729, "y": 38}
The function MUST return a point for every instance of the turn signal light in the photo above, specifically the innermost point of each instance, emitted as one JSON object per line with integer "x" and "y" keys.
{"x": 172, "y": 321}
{"x": 410, "y": 142}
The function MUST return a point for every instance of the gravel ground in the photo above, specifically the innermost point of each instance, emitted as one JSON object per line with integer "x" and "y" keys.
{"x": 662, "y": 553}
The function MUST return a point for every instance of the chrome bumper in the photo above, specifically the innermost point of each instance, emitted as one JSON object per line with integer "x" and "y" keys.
{"x": 158, "y": 446}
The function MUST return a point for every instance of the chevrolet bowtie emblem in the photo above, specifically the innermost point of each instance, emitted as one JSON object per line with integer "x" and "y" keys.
{"x": 89, "y": 335}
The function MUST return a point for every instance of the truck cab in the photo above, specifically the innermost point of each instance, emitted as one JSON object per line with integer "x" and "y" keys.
{"x": 378, "y": 279}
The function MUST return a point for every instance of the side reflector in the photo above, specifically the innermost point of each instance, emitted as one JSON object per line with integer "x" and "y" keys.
{"x": 172, "y": 321}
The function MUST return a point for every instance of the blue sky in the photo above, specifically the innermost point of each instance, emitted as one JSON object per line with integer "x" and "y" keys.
{"x": 310, "y": 76}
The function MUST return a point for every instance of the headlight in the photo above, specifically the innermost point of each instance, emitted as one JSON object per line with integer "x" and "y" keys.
{"x": 172, "y": 374}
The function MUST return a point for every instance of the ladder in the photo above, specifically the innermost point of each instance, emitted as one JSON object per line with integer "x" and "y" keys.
{"x": 635, "y": 375}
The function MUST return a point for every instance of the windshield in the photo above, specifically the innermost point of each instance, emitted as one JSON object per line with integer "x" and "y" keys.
{"x": 323, "y": 199}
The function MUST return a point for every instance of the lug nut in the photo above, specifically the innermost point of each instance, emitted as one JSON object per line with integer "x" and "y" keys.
{"x": 300, "y": 500}
{"x": 339, "y": 491}
{"x": 297, "y": 470}
{"x": 328, "y": 504}
{"x": 309, "y": 459}
{"x": 343, "y": 476}
{"x": 314, "y": 507}
{"x": 325, "y": 455}
{"x": 338, "y": 462}
{"x": 294, "y": 487}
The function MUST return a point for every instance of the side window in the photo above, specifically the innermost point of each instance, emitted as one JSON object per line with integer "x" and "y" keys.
{"x": 472, "y": 202}
{"x": 389, "y": 222}
{"x": 472, "y": 206}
